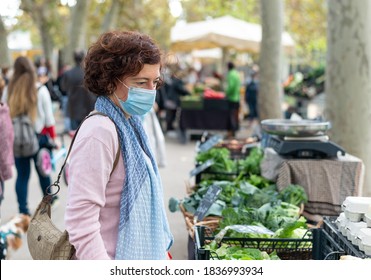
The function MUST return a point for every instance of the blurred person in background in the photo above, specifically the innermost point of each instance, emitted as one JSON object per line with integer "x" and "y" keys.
{"x": 233, "y": 95}
{"x": 6, "y": 143}
{"x": 155, "y": 135}
{"x": 80, "y": 101}
{"x": 64, "y": 99}
{"x": 26, "y": 96}
{"x": 4, "y": 74}
{"x": 251, "y": 97}
{"x": 44, "y": 75}
{"x": 174, "y": 88}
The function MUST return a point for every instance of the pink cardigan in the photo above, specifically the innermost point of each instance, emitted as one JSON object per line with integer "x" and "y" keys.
{"x": 92, "y": 212}
{"x": 6, "y": 143}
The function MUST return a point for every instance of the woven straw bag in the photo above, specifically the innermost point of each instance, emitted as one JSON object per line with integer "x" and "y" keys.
{"x": 45, "y": 240}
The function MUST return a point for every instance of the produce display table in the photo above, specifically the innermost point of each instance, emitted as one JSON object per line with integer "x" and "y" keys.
{"x": 326, "y": 181}
{"x": 211, "y": 115}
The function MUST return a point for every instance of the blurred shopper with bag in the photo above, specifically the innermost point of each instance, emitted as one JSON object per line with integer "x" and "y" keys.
{"x": 155, "y": 135}
{"x": 118, "y": 212}
{"x": 29, "y": 100}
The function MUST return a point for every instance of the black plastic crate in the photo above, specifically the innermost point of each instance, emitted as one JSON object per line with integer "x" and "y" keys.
{"x": 333, "y": 244}
{"x": 286, "y": 248}
{"x": 217, "y": 176}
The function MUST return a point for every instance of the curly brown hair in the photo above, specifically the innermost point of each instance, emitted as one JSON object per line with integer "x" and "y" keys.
{"x": 118, "y": 54}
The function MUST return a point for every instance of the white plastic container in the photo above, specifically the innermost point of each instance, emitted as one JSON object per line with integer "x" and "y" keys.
{"x": 367, "y": 217}
{"x": 352, "y": 229}
{"x": 341, "y": 222}
{"x": 344, "y": 226}
{"x": 365, "y": 240}
{"x": 355, "y": 207}
{"x": 361, "y": 235}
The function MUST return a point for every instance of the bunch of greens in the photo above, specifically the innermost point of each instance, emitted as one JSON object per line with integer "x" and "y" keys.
{"x": 251, "y": 164}
{"x": 222, "y": 161}
{"x": 227, "y": 196}
{"x": 273, "y": 216}
{"x": 258, "y": 181}
{"x": 293, "y": 194}
{"x": 226, "y": 252}
{"x": 278, "y": 215}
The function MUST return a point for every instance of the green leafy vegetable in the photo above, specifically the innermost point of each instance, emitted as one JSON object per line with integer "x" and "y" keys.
{"x": 222, "y": 161}
{"x": 226, "y": 252}
{"x": 293, "y": 194}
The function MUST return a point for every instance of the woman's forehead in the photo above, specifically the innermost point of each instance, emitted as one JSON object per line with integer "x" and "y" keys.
{"x": 149, "y": 71}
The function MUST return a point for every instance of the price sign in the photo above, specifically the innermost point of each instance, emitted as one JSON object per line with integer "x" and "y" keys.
{"x": 206, "y": 202}
{"x": 201, "y": 168}
{"x": 210, "y": 143}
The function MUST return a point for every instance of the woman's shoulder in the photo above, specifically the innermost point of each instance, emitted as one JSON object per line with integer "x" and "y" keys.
{"x": 98, "y": 130}
{"x": 98, "y": 127}
{"x": 99, "y": 122}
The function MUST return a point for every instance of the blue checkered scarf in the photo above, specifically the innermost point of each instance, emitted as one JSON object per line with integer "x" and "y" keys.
{"x": 144, "y": 232}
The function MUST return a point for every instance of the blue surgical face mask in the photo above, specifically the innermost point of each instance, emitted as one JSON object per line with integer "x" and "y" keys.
{"x": 139, "y": 101}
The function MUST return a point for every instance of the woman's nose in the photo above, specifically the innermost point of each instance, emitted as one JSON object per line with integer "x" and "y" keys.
{"x": 151, "y": 85}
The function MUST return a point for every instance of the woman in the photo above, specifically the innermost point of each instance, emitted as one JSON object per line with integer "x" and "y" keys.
{"x": 118, "y": 213}
{"x": 6, "y": 143}
{"x": 26, "y": 96}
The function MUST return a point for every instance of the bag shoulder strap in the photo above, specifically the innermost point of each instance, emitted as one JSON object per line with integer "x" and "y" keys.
{"x": 93, "y": 113}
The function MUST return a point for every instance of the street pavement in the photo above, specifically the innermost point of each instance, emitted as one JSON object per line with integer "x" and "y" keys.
{"x": 175, "y": 176}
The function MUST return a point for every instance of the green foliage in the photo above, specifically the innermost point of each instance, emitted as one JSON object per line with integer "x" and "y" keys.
{"x": 198, "y": 10}
{"x": 293, "y": 194}
{"x": 251, "y": 164}
{"x": 221, "y": 157}
{"x": 308, "y": 84}
{"x": 226, "y": 252}
{"x": 306, "y": 21}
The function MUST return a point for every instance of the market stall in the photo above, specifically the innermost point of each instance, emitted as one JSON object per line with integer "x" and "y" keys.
{"x": 217, "y": 32}
{"x": 300, "y": 152}
{"x": 235, "y": 212}
{"x": 208, "y": 114}
{"x": 205, "y": 109}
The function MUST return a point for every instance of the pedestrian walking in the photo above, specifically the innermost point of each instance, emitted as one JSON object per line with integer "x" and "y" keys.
{"x": 233, "y": 96}
{"x": 25, "y": 96}
{"x": 116, "y": 211}
{"x": 80, "y": 101}
{"x": 251, "y": 97}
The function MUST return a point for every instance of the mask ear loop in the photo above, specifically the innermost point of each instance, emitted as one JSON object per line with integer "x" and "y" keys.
{"x": 122, "y": 83}
{"x": 118, "y": 101}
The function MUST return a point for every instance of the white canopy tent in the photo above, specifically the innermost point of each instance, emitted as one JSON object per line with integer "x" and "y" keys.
{"x": 223, "y": 32}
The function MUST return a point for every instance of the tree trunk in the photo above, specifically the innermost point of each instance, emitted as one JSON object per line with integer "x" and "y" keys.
{"x": 348, "y": 79}
{"x": 5, "y": 60}
{"x": 40, "y": 13}
{"x": 46, "y": 38}
{"x": 110, "y": 18}
{"x": 270, "y": 90}
{"x": 77, "y": 29}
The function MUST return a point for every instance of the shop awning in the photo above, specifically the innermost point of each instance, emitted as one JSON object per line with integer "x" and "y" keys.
{"x": 222, "y": 32}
